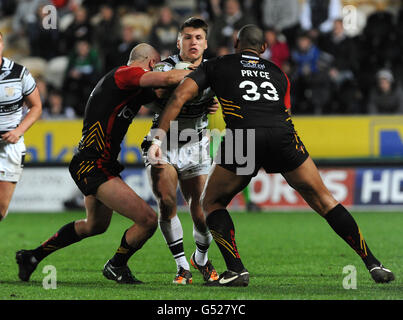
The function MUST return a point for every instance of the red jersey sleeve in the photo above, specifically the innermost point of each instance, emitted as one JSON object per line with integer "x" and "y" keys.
{"x": 287, "y": 98}
{"x": 128, "y": 77}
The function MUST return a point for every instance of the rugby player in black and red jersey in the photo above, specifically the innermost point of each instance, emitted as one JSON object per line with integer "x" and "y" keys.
{"x": 255, "y": 95}
{"x": 110, "y": 109}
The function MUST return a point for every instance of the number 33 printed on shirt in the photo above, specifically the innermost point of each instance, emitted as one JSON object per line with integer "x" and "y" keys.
{"x": 252, "y": 89}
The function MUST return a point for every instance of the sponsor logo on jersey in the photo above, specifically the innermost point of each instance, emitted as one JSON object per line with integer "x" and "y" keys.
{"x": 9, "y": 91}
{"x": 254, "y": 64}
{"x": 9, "y": 108}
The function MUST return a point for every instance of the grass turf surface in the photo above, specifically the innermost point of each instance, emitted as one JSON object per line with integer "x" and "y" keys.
{"x": 290, "y": 256}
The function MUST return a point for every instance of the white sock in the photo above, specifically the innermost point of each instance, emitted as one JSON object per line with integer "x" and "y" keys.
{"x": 203, "y": 241}
{"x": 173, "y": 235}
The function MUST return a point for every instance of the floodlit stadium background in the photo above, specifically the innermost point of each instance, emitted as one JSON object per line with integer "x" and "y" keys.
{"x": 352, "y": 131}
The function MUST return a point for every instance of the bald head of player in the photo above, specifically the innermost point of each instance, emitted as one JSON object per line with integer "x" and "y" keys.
{"x": 145, "y": 56}
{"x": 250, "y": 38}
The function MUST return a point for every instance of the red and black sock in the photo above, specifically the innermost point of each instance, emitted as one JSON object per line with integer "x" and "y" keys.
{"x": 223, "y": 231}
{"x": 345, "y": 226}
{"x": 123, "y": 253}
{"x": 62, "y": 238}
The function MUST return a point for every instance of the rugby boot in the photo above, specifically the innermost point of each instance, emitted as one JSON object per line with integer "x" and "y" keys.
{"x": 208, "y": 272}
{"x": 380, "y": 274}
{"x": 26, "y": 264}
{"x": 119, "y": 274}
{"x": 183, "y": 276}
{"x": 231, "y": 279}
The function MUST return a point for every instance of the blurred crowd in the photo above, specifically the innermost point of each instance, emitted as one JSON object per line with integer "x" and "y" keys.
{"x": 342, "y": 57}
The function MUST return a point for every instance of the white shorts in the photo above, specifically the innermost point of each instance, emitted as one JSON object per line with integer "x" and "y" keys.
{"x": 11, "y": 160}
{"x": 190, "y": 160}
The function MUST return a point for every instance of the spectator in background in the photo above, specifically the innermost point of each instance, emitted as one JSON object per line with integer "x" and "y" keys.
{"x": 224, "y": 25}
{"x": 121, "y": 50}
{"x": 283, "y": 15}
{"x": 55, "y": 109}
{"x": 164, "y": 33}
{"x": 317, "y": 16}
{"x": 25, "y": 14}
{"x": 40, "y": 39}
{"x": 387, "y": 96}
{"x": 379, "y": 46}
{"x": 82, "y": 74}
{"x": 107, "y": 30}
{"x": 310, "y": 80}
{"x": 209, "y": 9}
{"x": 342, "y": 68}
{"x": 305, "y": 56}
{"x": 79, "y": 29}
{"x": 277, "y": 51}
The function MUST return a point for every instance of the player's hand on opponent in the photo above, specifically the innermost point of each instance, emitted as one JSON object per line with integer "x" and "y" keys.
{"x": 154, "y": 154}
{"x": 12, "y": 136}
{"x": 192, "y": 67}
{"x": 213, "y": 107}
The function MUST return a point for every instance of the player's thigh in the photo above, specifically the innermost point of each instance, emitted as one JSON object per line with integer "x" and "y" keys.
{"x": 192, "y": 188}
{"x": 98, "y": 217}
{"x": 164, "y": 182}
{"x": 118, "y": 196}
{"x": 221, "y": 187}
{"x": 6, "y": 191}
{"x": 308, "y": 182}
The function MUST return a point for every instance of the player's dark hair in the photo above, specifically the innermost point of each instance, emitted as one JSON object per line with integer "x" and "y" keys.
{"x": 251, "y": 36}
{"x": 195, "y": 23}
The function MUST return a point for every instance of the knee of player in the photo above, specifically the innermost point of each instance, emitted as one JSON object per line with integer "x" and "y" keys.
{"x": 206, "y": 203}
{"x": 167, "y": 202}
{"x": 97, "y": 228}
{"x": 149, "y": 220}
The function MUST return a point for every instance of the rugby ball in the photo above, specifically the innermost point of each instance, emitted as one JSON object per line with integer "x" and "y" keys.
{"x": 182, "y": 65}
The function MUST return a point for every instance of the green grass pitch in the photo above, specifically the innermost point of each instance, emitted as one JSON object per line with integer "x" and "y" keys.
{"x": 290, "y": 256}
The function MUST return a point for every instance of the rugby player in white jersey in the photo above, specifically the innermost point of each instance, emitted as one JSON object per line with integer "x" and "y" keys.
{"x": 187, "y": 161}
{"x": 17, "y": 88}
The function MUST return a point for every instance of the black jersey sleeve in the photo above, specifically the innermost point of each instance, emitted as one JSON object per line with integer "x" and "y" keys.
{"x": 200, "y": 76}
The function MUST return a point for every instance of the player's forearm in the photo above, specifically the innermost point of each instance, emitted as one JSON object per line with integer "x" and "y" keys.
{"x": 175, "y": 76}
{"x": 170, "y": 113}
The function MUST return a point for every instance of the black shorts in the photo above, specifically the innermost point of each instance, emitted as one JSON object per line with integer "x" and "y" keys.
{"x": 90, "y": 174}
{"x": 276, "y": 149}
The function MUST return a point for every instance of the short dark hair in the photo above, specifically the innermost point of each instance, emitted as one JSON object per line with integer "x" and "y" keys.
{"x": 251, "y": 36}
{"x": 195, "y": 23}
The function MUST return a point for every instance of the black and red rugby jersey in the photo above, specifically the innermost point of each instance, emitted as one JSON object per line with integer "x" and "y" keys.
{"x": 253, "y": 92}
{"x": 110, "y": 109}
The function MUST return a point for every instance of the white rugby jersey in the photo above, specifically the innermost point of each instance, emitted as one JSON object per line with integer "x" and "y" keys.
{"x": 16, "y": 82}
{"x": 194, "y": 113}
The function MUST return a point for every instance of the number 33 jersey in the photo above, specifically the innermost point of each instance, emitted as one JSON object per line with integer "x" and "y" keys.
{"x": 253, "y": 92}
